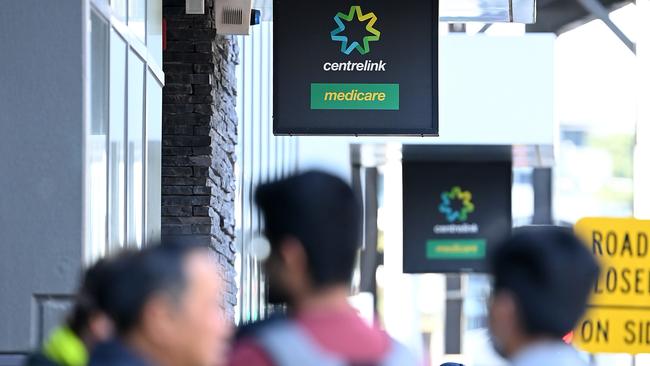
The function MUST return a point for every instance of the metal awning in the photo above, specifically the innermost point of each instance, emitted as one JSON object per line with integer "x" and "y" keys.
{"x": 559, "y": 16}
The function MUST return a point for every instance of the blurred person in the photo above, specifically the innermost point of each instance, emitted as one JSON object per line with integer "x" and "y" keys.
{"x": 86, "y": 326}
{"x": 542, "y": 280}
{"x": 166, "y": 304}
{"x": 313, "y": 225}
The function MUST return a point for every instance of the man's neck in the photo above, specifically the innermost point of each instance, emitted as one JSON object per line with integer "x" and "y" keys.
{"x": 145, "y": 349}
{"x": 331, "y": 298}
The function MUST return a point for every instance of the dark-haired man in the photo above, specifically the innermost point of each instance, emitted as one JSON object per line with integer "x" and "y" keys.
{"x": 166, "y": 305}
{"x": 542, "y": 279}
{"x": 313, "y": 224}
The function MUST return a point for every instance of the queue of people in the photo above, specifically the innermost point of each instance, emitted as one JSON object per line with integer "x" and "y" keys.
{"x": 163, "y": 305}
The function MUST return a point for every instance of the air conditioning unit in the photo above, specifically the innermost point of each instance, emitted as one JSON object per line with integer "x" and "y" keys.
{"x": 235, "y": 16}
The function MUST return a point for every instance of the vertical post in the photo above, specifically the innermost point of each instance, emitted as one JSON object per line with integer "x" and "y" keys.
{"x": 542, "y": 187}
{"x": 369, "y": 256}
{"x": 453, "y": 315}
{"x": 357, "y": 181}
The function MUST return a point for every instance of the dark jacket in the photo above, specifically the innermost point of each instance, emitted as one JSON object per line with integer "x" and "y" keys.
{"x": 39, "y": 359}
{"x": 115, "y": 353}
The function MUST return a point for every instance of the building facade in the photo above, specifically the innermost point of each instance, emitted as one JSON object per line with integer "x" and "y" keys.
{"x": 81, "y": 97}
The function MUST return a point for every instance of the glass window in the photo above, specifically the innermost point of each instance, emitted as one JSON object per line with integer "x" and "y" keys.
{"x": 125, "y": 138}
{"x": 119, "y": 7}
{"x": 96, "y": 143}
{"x": 154, "y": 157}
{"x": 137, "y": 17}
{"x": 117, "y": 137}
{"x": 154, "y": 29}
{"x": 135, "y": 129}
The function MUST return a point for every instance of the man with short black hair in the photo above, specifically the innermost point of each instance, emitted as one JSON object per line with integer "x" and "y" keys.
{"x": 166, "y": 305}
{"x": 313, "y": 225}
{"x": 542, "y": 279}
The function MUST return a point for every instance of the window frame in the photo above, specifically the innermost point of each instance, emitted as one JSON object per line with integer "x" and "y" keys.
{"x": 152, "y": 68}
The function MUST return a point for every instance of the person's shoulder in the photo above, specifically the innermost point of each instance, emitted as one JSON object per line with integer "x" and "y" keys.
{"x": 114, "y": 352}
{"x": 251, "y": 330}
{"x": 248, "y": 353}
{"x": 38, "y": 359}
{"x": 399, "y": 355}
{"x": 557, "y": 353}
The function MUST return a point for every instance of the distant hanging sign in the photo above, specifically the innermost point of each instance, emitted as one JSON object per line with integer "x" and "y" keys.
{"x": 618, "y": 319}
{"x": 455, "y": 213}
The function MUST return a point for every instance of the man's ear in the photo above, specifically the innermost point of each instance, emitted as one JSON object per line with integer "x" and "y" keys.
{"x": 504, "y": 305}
{"x": 294, "y": 256}
{"x": 157, "y": 319}
{"x": 100, "y": 327}
{"x": 506, "y": 314}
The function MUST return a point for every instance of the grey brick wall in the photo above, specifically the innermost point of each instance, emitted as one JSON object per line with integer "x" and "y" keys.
{"x": 199, "y": 135}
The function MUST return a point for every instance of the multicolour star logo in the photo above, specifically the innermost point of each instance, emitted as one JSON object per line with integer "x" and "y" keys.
{"x": 456, "y": 193}
{"x": 347, "y": 47}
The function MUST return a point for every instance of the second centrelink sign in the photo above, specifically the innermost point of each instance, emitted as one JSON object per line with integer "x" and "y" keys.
{"x": 355, "y": 67}
{"x": 455, "y": 212}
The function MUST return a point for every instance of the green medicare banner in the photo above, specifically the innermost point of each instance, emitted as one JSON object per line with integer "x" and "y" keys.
{"x": 355, "y": 96}
{"x": 456, "y": 249}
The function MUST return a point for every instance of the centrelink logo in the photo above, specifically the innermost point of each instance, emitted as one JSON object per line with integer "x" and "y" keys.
{"x": 346, "y": 46}
{"x": 456, "y": 194}
{"x": 363, "y": 48}
{"x": 456, "y": 214}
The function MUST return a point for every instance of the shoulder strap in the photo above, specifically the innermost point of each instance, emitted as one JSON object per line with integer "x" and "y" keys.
{"x": 288, "y": 345}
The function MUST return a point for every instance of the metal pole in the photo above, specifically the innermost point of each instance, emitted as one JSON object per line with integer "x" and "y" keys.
{"x": 369, "y": 255}
{"x": 453, "y": 315}
{"x": 485, "y": 27}
{"x": 543, "y": 191}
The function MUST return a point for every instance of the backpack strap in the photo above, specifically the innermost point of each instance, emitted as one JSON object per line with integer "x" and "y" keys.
{"x": 287, "y": 344}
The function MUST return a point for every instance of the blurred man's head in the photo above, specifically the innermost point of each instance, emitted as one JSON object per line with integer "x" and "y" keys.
{"x": 167, "y": 303}
{"x": 542, "y": 280}
{"x": 313, "y": 222}
{"x": 87, "y": 320}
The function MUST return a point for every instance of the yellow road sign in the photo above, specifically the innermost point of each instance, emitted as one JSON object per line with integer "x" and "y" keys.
{"x": 618, "y": 319}
{"x": 612, "y": 330}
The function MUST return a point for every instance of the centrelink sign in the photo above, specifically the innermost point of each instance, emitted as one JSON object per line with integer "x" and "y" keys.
{"x": 355, "y": 67}
{"x": 455, "y": 212}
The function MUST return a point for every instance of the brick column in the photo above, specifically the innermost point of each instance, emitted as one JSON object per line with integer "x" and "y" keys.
{"x": 199, "y": 135}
